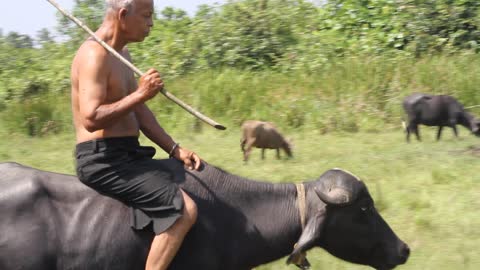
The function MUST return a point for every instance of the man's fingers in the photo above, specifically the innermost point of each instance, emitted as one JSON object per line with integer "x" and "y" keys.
{"x": 196, "y": 161}
{"x": 152, "y": 74}
{"x": 156, "y": 76}
{"x": 151, "y": 71}
{"x": 158, "y": 82}
{"x": 192, "y": 161}
{"x": 188, "y": 163}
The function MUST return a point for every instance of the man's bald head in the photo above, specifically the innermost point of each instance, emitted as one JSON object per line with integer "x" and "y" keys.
{"x": 114, "y": 5}
{"x": 133, "y": 18}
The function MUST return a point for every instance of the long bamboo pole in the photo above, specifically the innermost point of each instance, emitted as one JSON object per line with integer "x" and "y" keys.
{"x": 170, "y": 96}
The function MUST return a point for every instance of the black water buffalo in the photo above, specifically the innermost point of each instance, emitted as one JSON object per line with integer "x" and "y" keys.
{"x": 51, "y": 221}
{"x": 438, "y": 111}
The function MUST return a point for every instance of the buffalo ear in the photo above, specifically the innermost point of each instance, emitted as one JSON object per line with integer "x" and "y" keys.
{"x": 307, "y": 240}
{"x": 299, "y": 260}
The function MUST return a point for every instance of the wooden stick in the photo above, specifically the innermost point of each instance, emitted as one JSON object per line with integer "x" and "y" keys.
{"x": 136, "y": 70}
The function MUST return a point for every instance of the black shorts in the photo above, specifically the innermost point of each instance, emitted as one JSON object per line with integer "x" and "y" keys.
{"x": 124, "y": 170}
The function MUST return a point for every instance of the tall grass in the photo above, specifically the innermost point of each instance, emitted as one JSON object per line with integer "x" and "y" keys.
{"x": 349, "y": 94}
{"x": 38, "y": 115}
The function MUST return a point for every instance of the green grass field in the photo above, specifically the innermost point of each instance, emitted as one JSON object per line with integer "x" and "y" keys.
{"x": 428, "y": 192}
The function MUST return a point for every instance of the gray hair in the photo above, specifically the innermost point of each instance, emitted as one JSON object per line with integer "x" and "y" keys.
{"x": 112, "y": 5}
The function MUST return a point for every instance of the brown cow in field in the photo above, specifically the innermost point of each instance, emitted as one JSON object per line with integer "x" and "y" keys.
{"x": 262, "y": 135}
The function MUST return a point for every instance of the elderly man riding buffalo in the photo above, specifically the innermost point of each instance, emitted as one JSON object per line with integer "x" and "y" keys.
{"x": 109, "y": 112}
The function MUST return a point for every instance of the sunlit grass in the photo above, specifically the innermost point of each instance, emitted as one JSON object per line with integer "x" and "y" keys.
{"x": 428, "y": 191}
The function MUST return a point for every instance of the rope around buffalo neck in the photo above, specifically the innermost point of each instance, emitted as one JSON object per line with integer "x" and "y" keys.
{"x": 301, "y": 203}
{"x": 300, "y": 259}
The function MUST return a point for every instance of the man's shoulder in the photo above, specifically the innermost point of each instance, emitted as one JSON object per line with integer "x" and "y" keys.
{"x": 91, "y": 55}
{"x": 92, "y": 49}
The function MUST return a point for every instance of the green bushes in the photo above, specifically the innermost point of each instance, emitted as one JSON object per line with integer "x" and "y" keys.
{"x": 37, "y": 116}
{"x": 350, "y": 95}
{"x": 342, "y": 66}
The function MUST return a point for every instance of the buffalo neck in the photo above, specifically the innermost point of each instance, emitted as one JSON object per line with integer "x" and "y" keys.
{"x": 467, "y": 120}
{"x": 263, "y": 216}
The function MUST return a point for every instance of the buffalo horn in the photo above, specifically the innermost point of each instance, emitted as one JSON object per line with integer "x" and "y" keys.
{"x": 338, "y": 187}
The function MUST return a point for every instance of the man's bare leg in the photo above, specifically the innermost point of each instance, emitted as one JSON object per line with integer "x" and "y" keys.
{"x": 165, "y": 245}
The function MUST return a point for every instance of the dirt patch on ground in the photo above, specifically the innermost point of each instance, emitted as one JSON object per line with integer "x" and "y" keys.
{"x": 475, "y": 150}
{"x": 471, "y": 150}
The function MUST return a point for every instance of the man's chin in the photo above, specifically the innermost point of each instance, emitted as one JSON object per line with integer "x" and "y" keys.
{"x": 140, "y": 39}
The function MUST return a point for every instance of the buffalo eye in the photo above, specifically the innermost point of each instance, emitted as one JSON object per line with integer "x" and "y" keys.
{"x": 362, "y": 215}
{"x": 366, "y": 208}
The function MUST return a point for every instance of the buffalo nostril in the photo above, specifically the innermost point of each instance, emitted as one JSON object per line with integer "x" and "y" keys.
{"x": 405, "y": 252}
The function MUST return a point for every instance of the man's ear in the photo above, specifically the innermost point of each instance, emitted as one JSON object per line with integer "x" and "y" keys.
{"x": 121, "y": 14}
{"x": 307, "y": 240}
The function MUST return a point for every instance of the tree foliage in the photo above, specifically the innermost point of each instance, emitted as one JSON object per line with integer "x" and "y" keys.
{"x": 419, "y": 27}
{"x": 90, "y": 12}
{"x": 44, "y": 37}
{"x": 286, "y": 36}
{"x": 19, "y": 41}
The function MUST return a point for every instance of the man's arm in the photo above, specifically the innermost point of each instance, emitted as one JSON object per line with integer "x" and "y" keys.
{"x": 146, "y": 119}
{"x": 93, "y": 73}
{"x": 152, "y": 129}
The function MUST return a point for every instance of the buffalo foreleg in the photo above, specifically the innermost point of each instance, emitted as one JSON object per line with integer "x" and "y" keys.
{"x": 417, "y": 132}
{"x": 413, "y": 128}
{"x": 455, "y": 131}
{"x": 248, "y": 149}
{"x": 439, "y": 132}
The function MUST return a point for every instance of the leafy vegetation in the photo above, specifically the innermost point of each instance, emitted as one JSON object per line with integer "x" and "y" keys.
{"x": 342, "y": 65}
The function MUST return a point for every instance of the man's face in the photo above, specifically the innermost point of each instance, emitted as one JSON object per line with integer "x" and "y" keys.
{"x": 138, "y": 20}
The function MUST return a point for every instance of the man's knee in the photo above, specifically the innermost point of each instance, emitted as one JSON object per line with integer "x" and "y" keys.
{"x": 190, "y": 211}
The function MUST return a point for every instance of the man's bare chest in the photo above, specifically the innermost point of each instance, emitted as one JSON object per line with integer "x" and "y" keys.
{"x": 120, "y": 82}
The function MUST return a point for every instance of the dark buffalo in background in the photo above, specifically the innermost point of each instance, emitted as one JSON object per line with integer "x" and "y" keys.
{"x": 263, "y": 135}
{"x": 52, "y": 221}
{"x": 441, "y": 111}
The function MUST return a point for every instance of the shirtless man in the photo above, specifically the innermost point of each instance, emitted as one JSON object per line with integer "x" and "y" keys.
{"x": 109, "y": 111}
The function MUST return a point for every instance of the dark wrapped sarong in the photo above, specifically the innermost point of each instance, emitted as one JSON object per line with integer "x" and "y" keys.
{"x": 124, "y": 170}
